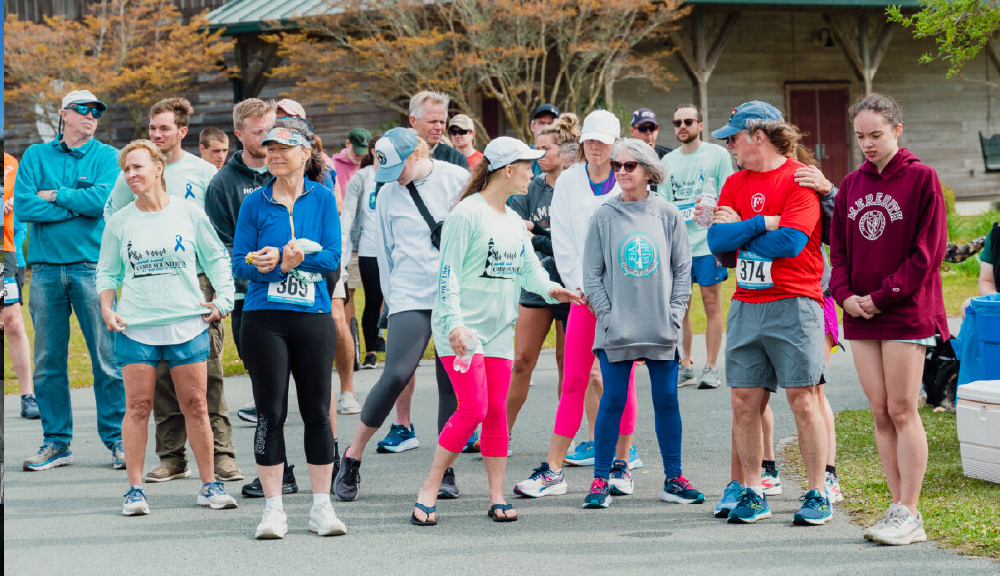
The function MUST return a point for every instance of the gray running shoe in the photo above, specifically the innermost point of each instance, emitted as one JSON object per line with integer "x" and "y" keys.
{"x": 347, "y": 483}
{"x": 685, "y": 376}
{"x": 709, "y": 379}
{"x": 449, "y": 488}
{"x": 48, "y": 456}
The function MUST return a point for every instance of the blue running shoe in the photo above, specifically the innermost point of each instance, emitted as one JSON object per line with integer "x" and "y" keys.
{"x": 29, "y": 407}
{"x": 633, "y": 458}
{"x": 472, "y": 445}
{"x": 49, "y": 455}
{"x": 584, "y": 455}
{"x": 749, "y": 508}
{"x": 399, "y": 439}
{"x": 620, "y": 479}
{"x": 679, "y": 491}
{"x": 118, "y": 456}
{"x": 135, "y": 502}
{"x": 815, "y": 510}
{"x": 729, "y": 497}
{"x": 600, "y": 494}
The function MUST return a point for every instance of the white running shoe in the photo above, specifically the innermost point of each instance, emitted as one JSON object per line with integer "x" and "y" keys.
{"x": 323, "y": 521}
{"x": 880, "y": 523}
{"x": 273, "y": 525}
{"x": 349, "y": 403}
{"x": 685, "y": 376}
{"x": 135, "y": 502}
{"x": 620, "y": 479}
{"x": 902, "y": 529}
{"x": 213, "y": 495}
{"x": 543, "y": 482}
{"x": 833, "y": 488}
{"x": 771, "y": 484}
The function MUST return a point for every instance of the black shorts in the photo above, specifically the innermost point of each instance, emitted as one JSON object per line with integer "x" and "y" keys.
{"x": 559, "y": 312}
{"x": 12, "y": 277}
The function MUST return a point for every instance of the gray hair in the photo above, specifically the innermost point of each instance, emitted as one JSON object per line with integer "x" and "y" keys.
{"x": 299, "y": 125}
{"x": 645, "y": 156}
{"x": 420, "y": 99}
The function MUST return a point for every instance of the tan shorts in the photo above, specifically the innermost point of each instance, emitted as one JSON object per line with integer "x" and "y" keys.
{"x": 353, "y": 272}
{"x": 339, "y": 291}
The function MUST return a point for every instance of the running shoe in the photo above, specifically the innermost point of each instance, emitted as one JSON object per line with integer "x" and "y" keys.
{"x": 600, "y": 494}
{"x": 709, "y": 379}
{"x": 472, "y": 444}
{"x": 583, "y": 456}
{"x": 380, "y": 344}
{"x": 288, "y": 485}
{"x": 749, "y": 508}
{"x": 49, "y": 455}
{"x": 679, "y": 491}
{"x": 213, "y": 495}
{"x": 730, "y": 496}
{"x": 323, "y": 521}
{"x": 902, "y": 529}
{"x": 633, "y": 458}
{"x": 226, "y": 470}
{"x": 881, "y": 522}
{"x": 135, "y": 502}
{"x": 370, "y": 362}
{"x": 273, "y": 525}
{"x": 348, "y": 482}
{"x": 543, "y": 482}
{"x": 770, "y": 482}
{"x": 815, "y": 510}
{"x": 118, "y": 456}
{"x": 349, "y": 403}
{"x": 248, "y": 412}
{"x": 449, "y": 488}
{"x": 833, "y": 488}
{"x": 685, "y": 376}
{"x": 29, "y": 407}
{"x": 620, "y": 479}
{"x": 399, "y": 439}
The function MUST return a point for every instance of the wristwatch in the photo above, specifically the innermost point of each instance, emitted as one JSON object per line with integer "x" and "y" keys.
{"x": 52, "y": 197}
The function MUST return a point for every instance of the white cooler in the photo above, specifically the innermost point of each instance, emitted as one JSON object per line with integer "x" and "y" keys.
{"x": 978, "y": 411}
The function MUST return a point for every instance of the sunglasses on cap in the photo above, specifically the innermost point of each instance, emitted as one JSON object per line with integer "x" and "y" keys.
{"x": 458, "y": 132}
{"x": 629, "y": 166}
{"x": 83, "y": 109}
{"x": 645, "y": 128}
{"x": 686, "y": 122}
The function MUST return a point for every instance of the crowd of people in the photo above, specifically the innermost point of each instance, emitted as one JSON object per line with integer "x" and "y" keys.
{"x": 152, "y": 247}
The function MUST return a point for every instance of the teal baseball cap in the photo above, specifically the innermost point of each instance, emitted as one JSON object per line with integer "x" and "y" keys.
{"x": 287, "y": 137}
{"x": 753, "y": 110}
{"x": 391, "y": 152}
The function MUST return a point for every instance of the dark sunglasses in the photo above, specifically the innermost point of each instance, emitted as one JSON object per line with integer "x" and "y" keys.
{"x": 458, "y": 132}
{"x": 686, "y": 122}
{"x": 730, "y": 140}
{"x": 82, "y": 110}
{"x": 644, "y": 128}
{"x": 629, "y": 166}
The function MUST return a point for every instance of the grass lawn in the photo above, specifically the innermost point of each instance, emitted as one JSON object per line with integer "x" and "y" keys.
{"x": 959, "y": 512}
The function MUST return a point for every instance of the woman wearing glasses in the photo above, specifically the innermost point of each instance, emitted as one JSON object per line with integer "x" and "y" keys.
{"x": 636, "y": 252}
{"x": 463, "y": 134}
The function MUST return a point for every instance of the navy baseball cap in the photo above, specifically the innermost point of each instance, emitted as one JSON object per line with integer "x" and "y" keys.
{"x": 754, "y": 110}
{"x": 643, "y": 116}
{"x": 391, "y": 151}
{"x": 545, "y": 109}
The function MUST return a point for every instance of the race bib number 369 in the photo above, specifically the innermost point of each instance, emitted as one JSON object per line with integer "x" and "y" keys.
{"x": 292, "y": 291}
{"x": 753, "y": 271}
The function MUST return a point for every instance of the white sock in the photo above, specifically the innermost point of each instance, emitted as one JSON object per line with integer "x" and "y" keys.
{"x": 758, "y": 489}
{"x": 320, "y": 498}
{"x": 273, "y": 503}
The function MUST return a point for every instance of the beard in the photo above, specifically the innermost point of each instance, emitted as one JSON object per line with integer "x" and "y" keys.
{"x": 691, "y": 137}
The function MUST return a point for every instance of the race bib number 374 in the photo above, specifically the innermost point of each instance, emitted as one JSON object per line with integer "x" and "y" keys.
{"x": 753, "y": 271}
{"x": 292, "y": 291}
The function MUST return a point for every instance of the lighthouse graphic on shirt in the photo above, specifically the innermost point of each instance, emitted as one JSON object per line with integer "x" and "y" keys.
{"x": 502, "y": 262}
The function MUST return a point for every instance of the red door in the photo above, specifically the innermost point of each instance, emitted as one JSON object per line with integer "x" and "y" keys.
{"x": 821, "y": 114}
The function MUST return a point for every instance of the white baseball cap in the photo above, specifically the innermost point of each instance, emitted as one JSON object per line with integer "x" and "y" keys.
{"x": 505, "y": 150}
{"x": 602, "y": 126}
{"x": 83, "y": 97}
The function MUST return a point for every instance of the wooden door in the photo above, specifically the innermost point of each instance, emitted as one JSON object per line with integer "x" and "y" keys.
{"x": 821, "y": 114}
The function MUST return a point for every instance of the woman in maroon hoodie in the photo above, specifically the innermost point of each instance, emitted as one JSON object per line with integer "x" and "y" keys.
{"x": 887, "y": 241}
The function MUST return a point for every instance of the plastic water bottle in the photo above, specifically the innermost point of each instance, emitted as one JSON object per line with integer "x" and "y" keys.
{"x": 462, "y": 363}
{"x": 709, "y": 198}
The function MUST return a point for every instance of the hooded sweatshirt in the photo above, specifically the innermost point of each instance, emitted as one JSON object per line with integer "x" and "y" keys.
{"x": 888, "y": 239}
{"x": 637, "y": 276}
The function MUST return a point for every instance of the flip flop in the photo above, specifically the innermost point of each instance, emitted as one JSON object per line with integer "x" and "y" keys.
{"x": 492, "y": 513}
{"x": 427, "y": 510}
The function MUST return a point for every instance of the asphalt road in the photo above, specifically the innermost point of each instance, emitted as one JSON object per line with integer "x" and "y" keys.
{"x": 67, "y": 520}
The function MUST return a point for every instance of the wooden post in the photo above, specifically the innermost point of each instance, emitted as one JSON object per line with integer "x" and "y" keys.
{"x": 863, "y": 56}
{"x": 701, "y": 59}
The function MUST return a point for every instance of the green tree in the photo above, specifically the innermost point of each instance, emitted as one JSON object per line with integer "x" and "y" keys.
{"x": 960, "y": 28}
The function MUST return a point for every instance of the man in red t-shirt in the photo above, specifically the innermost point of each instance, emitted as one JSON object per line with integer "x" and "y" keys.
{"x": 769, "y": 227}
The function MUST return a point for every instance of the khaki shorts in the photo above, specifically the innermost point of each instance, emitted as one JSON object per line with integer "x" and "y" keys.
{"x": 353, "y": 273}
{"x": 338, "y": 291}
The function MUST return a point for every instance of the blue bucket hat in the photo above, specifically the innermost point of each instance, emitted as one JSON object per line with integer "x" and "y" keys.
{"x": 391, "y": 152}
{"x": 754, "y": 110}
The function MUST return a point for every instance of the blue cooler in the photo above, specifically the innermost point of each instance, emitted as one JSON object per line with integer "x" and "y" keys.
{"x": 987, "y": 310}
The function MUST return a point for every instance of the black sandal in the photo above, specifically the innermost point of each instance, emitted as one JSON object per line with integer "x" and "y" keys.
{"x": 427, "y": 510}
{"x": 492, "y": 513}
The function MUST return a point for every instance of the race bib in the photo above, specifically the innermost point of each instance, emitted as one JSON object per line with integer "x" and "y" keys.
{"x": 753, "y": 271}
{"x": 687, "y": 211}
{"x": 11, "y": 295}
{"x": 292, "y": 291}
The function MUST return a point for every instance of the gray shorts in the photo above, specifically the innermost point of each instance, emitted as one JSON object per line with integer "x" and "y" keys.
{"x": 771, "y": 344}
{"x": 13, "y": 282}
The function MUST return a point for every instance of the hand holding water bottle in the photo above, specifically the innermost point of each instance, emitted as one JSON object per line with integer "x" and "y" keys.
{"x": 707, "y": 202}
{"x": 464, "y": 343}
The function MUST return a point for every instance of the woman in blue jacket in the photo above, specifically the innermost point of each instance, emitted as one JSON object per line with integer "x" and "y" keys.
{"x": 287, "y": 239}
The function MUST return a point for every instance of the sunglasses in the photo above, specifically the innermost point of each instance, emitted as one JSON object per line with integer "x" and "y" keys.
{"x": 458, "y": 132}
{"x": 686, "y": 122}
{"x": 83, "y": 109}
{"x": 731, "y": 140}
{"x": 645, "y": 128}
{"x": 629, "y": 166}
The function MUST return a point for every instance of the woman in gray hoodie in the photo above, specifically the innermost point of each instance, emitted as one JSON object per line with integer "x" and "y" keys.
{"x": 637, "y": 278}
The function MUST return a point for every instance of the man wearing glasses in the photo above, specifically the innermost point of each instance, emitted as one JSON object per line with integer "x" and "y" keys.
{"x": 61, "y": 190}
{"x": 689, "y": 167}
{"x": 646, "y": 128}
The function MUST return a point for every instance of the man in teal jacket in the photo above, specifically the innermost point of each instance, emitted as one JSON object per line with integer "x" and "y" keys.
{"x": 60, "y": 192}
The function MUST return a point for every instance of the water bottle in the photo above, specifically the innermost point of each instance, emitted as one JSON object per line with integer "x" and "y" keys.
{"x": 709, "y": 197}
{"x": 462, "y": 363}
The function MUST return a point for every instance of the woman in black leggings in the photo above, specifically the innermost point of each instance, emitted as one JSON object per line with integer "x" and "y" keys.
{"x": 287, "y": 328}
{"x": 373, "y": 306}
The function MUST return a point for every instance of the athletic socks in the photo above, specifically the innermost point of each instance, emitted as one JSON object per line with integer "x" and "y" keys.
{"x": 273, "y": 503}
{"x": 769, "y": 466}
{"x": 319, "y": 499}
{"x": 758, "y": 489}
{"x": 832, "y": 470}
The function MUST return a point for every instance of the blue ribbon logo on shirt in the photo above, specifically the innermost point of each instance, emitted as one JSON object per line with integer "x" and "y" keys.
{"x": 180, "y": 245}
{"x": 190, "y": 191}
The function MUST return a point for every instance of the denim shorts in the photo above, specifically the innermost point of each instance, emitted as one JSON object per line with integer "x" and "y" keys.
{"x": 705, "y": 271}
{"x": 128, "y": 351}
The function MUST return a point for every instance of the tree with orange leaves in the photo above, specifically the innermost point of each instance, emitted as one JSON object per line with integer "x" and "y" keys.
{"x": 567, "y": 52}
{"x": 130, "y": 52}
